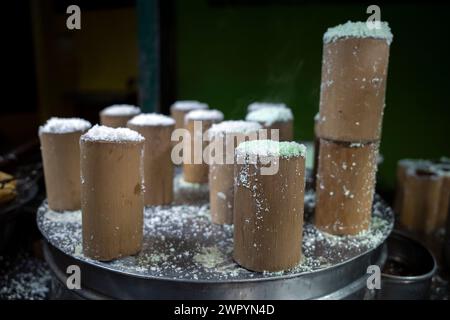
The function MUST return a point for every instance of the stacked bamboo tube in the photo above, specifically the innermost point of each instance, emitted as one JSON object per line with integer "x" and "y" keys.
{"x": 268, "y": 204}
{"x": 352, "y": 100}
{"x": 61, "y": 160}
{"x": 118, "y": 115}
{"x": 197, "y": 122}
{"x": 422, "y": 195}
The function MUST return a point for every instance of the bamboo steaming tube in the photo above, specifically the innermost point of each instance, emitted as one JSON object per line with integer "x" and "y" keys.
{"x": 228, "y": 135}
{"x": 354, "y": 70}
{"x": 60, "y": 149}
{"x": 112, "y": 197}
{"x": 268, "y": 204}
{"x": 345, "y": 187}
{"x": 197, "y": 122}
{"x": 158, "y": 167}
{"x": 179, "y": 109}
{"x": 117, "y": 116}
{"x": 280, "y": 118}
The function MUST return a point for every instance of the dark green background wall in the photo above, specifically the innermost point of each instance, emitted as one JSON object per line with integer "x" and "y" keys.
{"x": 231, "y": 55}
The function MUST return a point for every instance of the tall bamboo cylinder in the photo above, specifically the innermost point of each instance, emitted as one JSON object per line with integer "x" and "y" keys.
{"x": 116, "y": 116}
{"x": 112, "y": 197}
{"x": 421, "y": 194}
{"x": 60, "y": 149}
{"x": 268, "y": 208}
{"x": 228, "y": 135}
{"x": 354, "y": 71}
{"x": 197, "y": 122}
{"x": 158, "y": 167}
{"x": 345, "y": 187}
{"x": 179, "y": 109}
{"x": 274, "y": 118}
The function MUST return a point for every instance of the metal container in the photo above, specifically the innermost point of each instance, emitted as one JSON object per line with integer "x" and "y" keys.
{"x": 185, "y": 256}
{"x": 408, "y": 271}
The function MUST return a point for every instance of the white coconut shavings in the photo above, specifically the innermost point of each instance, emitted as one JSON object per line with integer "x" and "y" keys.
{"x": 233, "y": 127}
{"x": 260, "y": 105}
{"x": 199, "y": 115}
{"x": 107, "y": 134}
{"x": 64, "y": 125}
{"x": 358, "y": 30}
{"x": 121, "y": 110}
{"x": 271, "y": 148}
{"x": 152, "y": 119}
{"x": 187, "y": 105}
{"x": 269, "y": 116}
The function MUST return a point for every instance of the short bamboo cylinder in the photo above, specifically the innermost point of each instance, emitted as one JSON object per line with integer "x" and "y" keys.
{"x": 158, "y": 166}
{"x": 345, "y": 187}
{"x": 221, "y": 173}
{"x": 61, "y": 161}
{"x": 268, "y": 215}
{"x": 274, "y": 118}
{"x": 421, "y": 193}
{"x": 179, "y": 109}
{"x": 197, "y": 122}
{"x": 118, "y": 115}
{"x": 112, "y": 197}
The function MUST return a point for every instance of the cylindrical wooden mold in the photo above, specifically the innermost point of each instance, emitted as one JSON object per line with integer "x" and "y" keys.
{"x": 345, "y": 187}
{"x": 60, "y": 148}
{"x": 261, "y": 105}
{"x": 421, "y": 193}
{"x": 118, "y": 115}
{"x": 112, "y": 193}
{"x": 197, "y": 122}
{"x": 158, "y": 166}
{"x": 279, "y": 118}
{"x": 268, "y": 215}
{"x": 402, "y": 167}
{"x": 179, "y": 109}
{"x": 444, "y": 199}
{"x": 354, "y": 72}
{"x": 221, "y": 173}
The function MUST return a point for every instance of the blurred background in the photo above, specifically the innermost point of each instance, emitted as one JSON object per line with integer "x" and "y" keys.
{"x": 225, "y": 53}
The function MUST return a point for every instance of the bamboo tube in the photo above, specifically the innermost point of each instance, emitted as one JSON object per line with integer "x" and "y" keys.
{"x": 61, "y": 160}
{"x": 354, "y": 71}
{"x": 158, "y": 167}
{"x": 402, "y": 167}
{"x": 116, "y": 116}
{"x": 195, "y": 170}
{"x": 261, "y": 105}
{"x": 421, "y": 194}
{"x": 274, "y": 118}
{"x": 268, "y": 208}
{"x": 179, "y": 109}
{"x": 444, "y": 198}
{"x": 112, "y": 192}
{"x": 227, "y": 134}
{"x": 345, "y": 187}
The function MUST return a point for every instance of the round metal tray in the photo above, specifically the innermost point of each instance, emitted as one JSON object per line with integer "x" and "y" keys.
{"x": 185, "y": 256}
